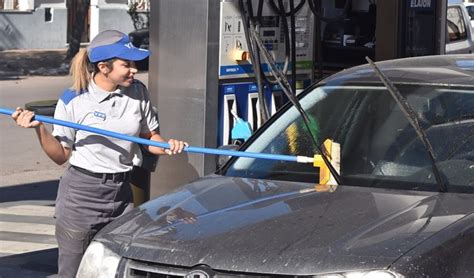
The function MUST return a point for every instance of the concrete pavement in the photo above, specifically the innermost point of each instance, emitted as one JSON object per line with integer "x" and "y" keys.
{"x": 28, "y": 246}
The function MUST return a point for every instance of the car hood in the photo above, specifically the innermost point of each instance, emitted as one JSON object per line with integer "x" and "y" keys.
{"x": 263, "y": 226}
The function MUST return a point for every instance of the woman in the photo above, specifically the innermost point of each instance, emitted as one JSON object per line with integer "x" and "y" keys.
{"x": 95, "y": 189}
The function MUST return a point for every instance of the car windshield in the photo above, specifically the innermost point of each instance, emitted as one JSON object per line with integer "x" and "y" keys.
{"x": 378, "y": 145}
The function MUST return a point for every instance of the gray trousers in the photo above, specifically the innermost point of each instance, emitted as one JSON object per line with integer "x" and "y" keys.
{"x": 84, "y": 205}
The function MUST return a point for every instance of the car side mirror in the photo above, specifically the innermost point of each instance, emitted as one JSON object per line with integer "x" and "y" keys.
{"x": 222, "y": 159}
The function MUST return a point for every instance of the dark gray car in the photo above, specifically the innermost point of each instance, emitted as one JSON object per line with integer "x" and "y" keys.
{"x": 389, "y": 217}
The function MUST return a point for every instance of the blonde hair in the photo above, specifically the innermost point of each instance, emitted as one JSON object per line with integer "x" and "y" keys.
{"x": 80, "y": 71}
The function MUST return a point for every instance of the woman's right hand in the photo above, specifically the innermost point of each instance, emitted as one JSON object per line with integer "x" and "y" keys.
{"x": 23, "y": 118}
{"x": 176, "y": 146}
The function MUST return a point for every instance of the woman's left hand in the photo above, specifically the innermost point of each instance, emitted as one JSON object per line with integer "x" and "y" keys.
{"x": 176, "y": 146}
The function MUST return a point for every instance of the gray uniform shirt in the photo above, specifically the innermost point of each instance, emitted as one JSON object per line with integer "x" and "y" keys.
{"x": 126, "y": 110}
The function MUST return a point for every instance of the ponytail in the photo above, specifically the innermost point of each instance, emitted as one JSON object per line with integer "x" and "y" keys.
{"x": 80, "y": 71}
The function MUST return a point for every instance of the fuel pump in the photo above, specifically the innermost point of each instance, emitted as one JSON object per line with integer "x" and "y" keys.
{"x": 247, "y": 90}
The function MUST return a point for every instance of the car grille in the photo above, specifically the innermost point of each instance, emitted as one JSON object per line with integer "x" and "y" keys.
{"x": 138, "y": 269}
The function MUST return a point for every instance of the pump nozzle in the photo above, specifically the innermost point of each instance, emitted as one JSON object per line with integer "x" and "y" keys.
{"x": 242, "y": 129}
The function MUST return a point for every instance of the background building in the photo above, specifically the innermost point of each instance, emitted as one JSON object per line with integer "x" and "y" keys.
{"x": 46, "y": 24}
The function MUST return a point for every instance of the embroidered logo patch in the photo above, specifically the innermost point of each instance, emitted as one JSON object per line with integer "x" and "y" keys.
{"x": 99, "y": 115}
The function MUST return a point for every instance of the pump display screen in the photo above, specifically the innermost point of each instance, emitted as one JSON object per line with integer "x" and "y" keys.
{"x": 269, "y": 33}
{"x": 269, "y": 21}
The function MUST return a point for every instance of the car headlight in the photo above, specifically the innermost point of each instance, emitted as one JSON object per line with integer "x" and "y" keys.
{"x": 98, "y": 261}
{"x": 361, "y": 274}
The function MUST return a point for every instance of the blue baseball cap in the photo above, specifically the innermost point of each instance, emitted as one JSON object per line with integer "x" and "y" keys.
{"x": 114, "y": 44}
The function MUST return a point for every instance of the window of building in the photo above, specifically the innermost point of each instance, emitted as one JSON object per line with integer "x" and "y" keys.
{"x": 48, "y": 15}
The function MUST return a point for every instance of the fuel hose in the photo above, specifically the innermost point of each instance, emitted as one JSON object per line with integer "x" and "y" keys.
{"x": 190, "y": 149}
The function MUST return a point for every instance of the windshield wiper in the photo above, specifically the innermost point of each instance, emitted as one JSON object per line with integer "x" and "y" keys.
{"x": 413, "y": 120}
{"x": 286, "y": 88}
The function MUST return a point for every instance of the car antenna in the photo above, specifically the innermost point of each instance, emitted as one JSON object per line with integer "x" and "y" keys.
{"x": 286, "y": 88}
{"x": 412, "y": 119}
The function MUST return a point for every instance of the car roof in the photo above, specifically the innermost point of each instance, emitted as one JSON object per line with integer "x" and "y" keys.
{"x": 450, "y": 69}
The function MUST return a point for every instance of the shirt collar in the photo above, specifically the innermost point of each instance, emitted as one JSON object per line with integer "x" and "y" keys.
{"x": 100, "y": 94}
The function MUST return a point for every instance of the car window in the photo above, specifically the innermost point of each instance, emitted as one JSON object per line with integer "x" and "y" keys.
{"x": 455, "y": 25}
{"x": 377, "y": 142}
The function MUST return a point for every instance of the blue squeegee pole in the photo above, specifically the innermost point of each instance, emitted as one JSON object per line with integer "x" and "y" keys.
{"x": 139, "y": 140}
